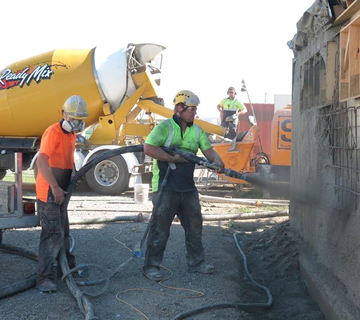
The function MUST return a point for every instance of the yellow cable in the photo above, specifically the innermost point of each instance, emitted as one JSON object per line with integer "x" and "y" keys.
{"x": 198, "y": 294}
{"x": 131, "y": 306}
{"x": 123, "y": 244}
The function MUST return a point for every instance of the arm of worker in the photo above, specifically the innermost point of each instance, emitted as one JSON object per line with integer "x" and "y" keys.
{"x": 161, "y": 155}
{"x": 241, "y": 112}
{"x": 220, "y": 108}
{"x": 213, "y": 156}
{"x": 45, "y": 169}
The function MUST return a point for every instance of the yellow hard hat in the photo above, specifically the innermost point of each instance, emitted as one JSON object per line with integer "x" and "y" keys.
{"x": 186, "y": 97}
{"x": 76, "y": 107}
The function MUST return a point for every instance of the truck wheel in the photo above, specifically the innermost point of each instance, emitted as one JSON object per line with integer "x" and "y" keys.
{"x": 2, "y": 174}
{"x": 109, "y": 177}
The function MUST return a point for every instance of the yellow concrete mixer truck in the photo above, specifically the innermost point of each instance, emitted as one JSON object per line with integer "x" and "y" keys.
{"x": 120, "y": 88}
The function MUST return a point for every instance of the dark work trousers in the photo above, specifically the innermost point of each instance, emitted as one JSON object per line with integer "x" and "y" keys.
{"x": 229, "y": 124}
{"x": 187, "y": 207}
{"x": 53, "y": 217}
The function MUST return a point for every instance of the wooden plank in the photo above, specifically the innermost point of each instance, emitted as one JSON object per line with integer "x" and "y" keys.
{"x": 347, "y": 14}
{"x": 346, "y": 55}
{"x": 330, "y": 69}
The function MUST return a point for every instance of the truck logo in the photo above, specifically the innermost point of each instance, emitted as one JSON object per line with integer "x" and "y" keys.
{"x": 284, "y": 133}
{"x": 10, "y": 79}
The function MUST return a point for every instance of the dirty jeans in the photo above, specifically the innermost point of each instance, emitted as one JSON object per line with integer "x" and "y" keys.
{"x": 53, "y": 217}
{"x": 187, "y": 207}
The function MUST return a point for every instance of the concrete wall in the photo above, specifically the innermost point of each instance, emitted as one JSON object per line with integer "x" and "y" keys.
{"x": 329, "y": 232}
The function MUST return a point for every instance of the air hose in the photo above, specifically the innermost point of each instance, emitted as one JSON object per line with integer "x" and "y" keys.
{"x": 21, "y": 285}
{"x": 268, "y": 304}
{"x": 28, "y": 282}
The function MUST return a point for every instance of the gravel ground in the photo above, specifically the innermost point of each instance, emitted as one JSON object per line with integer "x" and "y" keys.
{"x": 268, "y": 244}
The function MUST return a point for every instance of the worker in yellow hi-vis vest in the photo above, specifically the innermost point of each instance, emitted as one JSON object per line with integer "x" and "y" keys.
{"x": 227, "y": 108}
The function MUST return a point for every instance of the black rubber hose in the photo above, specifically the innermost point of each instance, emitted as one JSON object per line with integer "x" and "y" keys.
{"x": 268, "y": 304}
{"x": 30, "y": 281}
{"x": 22, "y": 285}
{"x": 19, "y": 251}
{"x": 17, "y": 287}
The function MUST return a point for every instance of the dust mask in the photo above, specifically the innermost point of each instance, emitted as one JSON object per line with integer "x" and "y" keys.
{"x": 73, "y": 126}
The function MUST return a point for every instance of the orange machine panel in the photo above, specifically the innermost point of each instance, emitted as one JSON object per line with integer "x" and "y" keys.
{"x": 281, "y": 138}
{"x": 264, "y": 113}
{"x": 237, "y": 158}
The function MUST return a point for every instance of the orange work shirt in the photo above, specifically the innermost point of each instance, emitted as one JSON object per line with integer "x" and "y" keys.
{"x": 59, "y": 146}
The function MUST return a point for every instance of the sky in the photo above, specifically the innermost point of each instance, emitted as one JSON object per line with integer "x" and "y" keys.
{"x": 210, "y": 45}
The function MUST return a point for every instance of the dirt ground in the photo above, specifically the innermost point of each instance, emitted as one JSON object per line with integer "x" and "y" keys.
{"x": 269, "y": 246}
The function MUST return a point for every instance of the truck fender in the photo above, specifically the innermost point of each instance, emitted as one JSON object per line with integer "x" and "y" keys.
{"x": 78, "y": 160}
{"x": 33, "y": 161}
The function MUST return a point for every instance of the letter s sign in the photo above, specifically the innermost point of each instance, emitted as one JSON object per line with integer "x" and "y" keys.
{"x": 284, "y": 132}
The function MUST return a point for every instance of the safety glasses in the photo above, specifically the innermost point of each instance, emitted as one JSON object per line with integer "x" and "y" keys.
{"x": 191, "y": 109}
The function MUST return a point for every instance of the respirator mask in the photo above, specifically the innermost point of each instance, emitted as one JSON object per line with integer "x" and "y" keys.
{"x": 73, "y": 126}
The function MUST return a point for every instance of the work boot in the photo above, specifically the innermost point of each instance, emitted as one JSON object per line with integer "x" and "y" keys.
{"x": 46, "y": 285}
{"x": 153, "y": 274}
{"x": 202, "y": 268}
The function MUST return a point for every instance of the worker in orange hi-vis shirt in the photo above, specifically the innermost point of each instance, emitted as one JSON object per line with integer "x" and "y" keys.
{"x": 55, "y": 164}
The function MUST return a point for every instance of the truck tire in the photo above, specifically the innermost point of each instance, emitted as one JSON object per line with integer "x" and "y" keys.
{"x": 2, "y": 173}
{"x": 109, "y": 177}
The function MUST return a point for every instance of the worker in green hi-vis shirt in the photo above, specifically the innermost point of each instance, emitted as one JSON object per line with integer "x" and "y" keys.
{"x": 227, "y": 108}
{"x": 173, "y": 186}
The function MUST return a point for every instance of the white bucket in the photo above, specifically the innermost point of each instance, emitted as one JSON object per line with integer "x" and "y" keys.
{"x": 141, "y": 193}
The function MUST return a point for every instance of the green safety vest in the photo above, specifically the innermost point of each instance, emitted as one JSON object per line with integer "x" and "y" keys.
{"x": 235, "y": 104}
{"x": 190, "y": 141}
